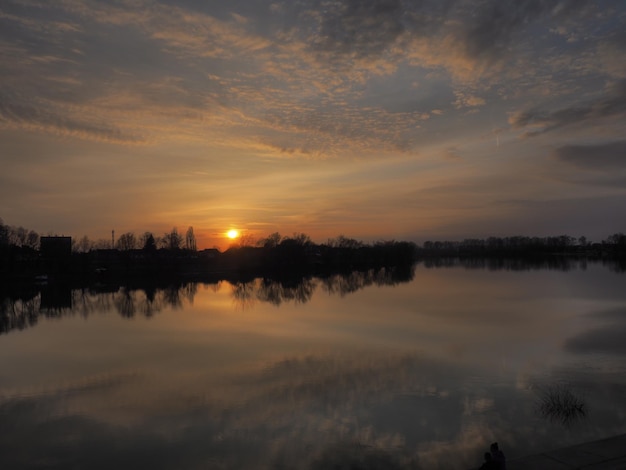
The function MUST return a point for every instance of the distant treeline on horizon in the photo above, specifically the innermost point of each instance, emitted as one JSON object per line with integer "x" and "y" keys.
{"x": 173, "y": 240}
{"x": 25, "y": 255}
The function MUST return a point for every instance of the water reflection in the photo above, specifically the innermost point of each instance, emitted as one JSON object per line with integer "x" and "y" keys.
{"x": 20, "y": 311}
{"x": 299, "y": 412}
{"x": 300, "y": 290}
{"x": 24, "y": 310}
{"x": 246, "y": 294}
{"x": 562, "y": 404}
{"x": 21, "y": 307}
{"x": 368, "y": 409}
{"x": 354, "y": 455}
{"x": 609, "y": 338}
{"x": 424, "y": 375}
{"x": 553, "y": 263}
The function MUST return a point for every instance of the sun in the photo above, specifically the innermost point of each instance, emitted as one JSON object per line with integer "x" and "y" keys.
{"x": 232, "y": 234}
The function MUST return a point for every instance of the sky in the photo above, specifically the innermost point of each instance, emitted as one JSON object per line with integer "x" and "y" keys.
{"x": 375, "y": 119}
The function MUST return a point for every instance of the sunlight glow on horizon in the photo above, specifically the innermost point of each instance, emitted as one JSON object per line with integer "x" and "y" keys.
{"x": 237, "y": 113}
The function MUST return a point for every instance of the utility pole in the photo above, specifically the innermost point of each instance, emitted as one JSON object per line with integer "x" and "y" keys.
{"x": 112, "y": 239}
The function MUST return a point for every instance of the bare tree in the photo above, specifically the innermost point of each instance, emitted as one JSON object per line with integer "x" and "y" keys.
{"x": 83, "y": 245}
{"x": 17, "y": 235}
{"x": 246, "y": 239}
{"x": 102, "y": 244}
{"x": 190, "y": 239}
{"x": 272, "y": 240}
{"x": 345, "y": 242}
{"x": 127, "y": 241}
{"x": 32, "y": 240}
{"x": 4, "y": 233}
{"x": 302, "y": 239}
{"x": 172, "y": 240}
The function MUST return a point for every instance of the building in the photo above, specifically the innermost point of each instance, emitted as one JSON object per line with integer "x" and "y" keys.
{"x": 56, "y": 253}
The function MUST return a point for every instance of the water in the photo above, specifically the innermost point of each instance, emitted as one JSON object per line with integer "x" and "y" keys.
{"x": 380, "y": 370}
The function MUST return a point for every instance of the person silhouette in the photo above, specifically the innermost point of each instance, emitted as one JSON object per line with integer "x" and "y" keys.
{"x": 498, "y": 456}
{"x": 489, "y": 463}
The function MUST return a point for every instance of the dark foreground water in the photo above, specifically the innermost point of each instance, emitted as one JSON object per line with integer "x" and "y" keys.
{"x": 331, "y": 373}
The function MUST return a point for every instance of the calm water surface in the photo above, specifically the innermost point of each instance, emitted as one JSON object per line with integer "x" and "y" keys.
{"x": 418, "y": 374}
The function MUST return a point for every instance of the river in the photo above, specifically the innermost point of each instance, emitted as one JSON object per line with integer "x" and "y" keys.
{"x": 375, "y": 370}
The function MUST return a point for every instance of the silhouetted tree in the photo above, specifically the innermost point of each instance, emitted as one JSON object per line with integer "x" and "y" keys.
{"x": 83, "y": 245}
{"x": 246, "y": 239}
{"x": 172, "y": 240}
{"x": 32, "y": 240}
{"x": 190, "y": 240}
{"x": 19, "y": 235}
{"x": 301, "y": 239}
{"x": 127, "y": 241}
{"x": 149, "y": 243}
{"x": 4, "y": 233}
{"x": 344, "y": 242}
{"x": 272, "y": 240}
{"x": 617, "y": 239}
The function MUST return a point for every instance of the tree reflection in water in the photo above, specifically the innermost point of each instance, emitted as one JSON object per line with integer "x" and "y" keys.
{"x": 23, "y": 309}
{"x": 301, "y": 290}
{"x": 357, "y": 280}
{"x": 244, "y": 294}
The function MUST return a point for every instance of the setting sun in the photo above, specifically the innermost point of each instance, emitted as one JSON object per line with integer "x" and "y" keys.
{"x": 232, "y": 234}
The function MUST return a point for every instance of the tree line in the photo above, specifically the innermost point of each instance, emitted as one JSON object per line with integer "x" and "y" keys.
{"x": 18, "y": 236}
{"x": 171, "y": 240}
{"x": 525, "y": 245}
{"x": 175, "y": 254}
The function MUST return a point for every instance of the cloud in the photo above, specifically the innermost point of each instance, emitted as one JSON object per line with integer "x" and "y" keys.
{"x": 607, "y": 156}
{"x": 493, "y": 25}
{"x": 612, "y": 104}
{"x": 14, "y": 114}
{"x": 265, "y": 64}
{"x": 345, "y": 128}
{"x": 465, "y": 100}
{"x": 451, "y": 153}
{"x": 469, "y": 39}
{"x": 359, "y": 28}
{"x": 301, "y": 88}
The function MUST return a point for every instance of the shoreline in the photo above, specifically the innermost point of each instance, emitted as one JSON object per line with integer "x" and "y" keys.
{"x": 603, "y": 454}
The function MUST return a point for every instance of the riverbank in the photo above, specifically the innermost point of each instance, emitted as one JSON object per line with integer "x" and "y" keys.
{"x": 605, "y": 454}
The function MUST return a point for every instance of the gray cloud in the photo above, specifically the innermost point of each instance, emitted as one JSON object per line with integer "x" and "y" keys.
{"x": 494, "y": 23}
{"x": 610, "y": 104}
{"x": 479, "y": 31}
{"x": 365, "y": 128}
{"x": 41, "y": 117}
{"x": 342, "y": 34}
{"x": 178, "y": 46}
{"x": 360, "y": 27}
{"x": 603, "y": 156}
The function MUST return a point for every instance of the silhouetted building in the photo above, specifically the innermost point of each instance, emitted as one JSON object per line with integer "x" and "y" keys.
{"x": 209, "y": 253}
{"x": 55, "y": 247}
{"x": 56, "y": 252}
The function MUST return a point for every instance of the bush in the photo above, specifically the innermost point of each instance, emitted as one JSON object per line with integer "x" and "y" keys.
{"x": 560, "y": 404}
